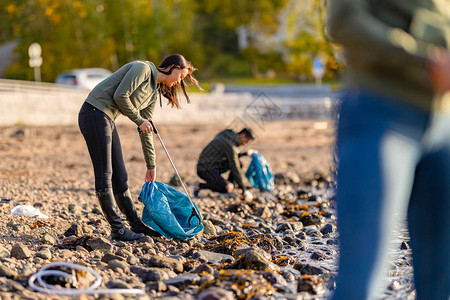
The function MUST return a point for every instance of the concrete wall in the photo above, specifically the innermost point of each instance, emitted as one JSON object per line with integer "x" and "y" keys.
{"x": 49, "y": 104}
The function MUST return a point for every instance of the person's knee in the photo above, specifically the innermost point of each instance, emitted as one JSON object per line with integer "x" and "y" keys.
{"x": 229, "y": 187}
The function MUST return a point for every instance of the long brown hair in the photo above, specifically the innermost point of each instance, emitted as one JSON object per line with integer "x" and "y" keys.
{"x": 177, "y": 61}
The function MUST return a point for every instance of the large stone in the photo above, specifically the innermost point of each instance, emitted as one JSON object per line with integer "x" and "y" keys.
{"x": 209, "y": 228}
{"x": 3, "y": 252}
{"x": 318, "y": 255}
{"x": 14, "y": 286}
{"x": 182, "y": 280}
{"x": 44, "y": 254}
{"x": 118, "y": 264}
{"x": 215, "y": 258}
{"x": 157, "y": 286}
{"x": 118, "y": 284}
{"x": 74, "y": 229}
{"x": 203, "y": 269}
{"x": 150, "y": 274}
{"x": 215, "y": 293}
{"x": 404, "y": 246}
{"x": 7, "y": 272}
{"x": 20, "y": 228}
{"x": 293, "y": 177}
{"x": 310, "y": 284}
{"x": 20, "y": 251}
{"x": 289, "y": 275}
{"x": 132, "y": 260}
{"x": 49, "y": 239}
{"x": 294, "y": 226}
{"x": 253, "y": 259}
{"x": 308, "y": 269}
{"x": 65, "y": 253}
{"x": 264, "y": 212}
{"x": 108, "y": 257}
{"x": 281, "y": 179}
{"x": 274, "y": 278}
{"x": 100, "y": 243}
{"x": 166, "y": 262}
{"x": 328, "y": 228}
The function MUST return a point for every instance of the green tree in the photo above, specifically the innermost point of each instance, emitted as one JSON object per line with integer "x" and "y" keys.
{"x": 110, "y": 33}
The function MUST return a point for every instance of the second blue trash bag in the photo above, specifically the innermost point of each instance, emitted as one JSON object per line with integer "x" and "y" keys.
{"x": 259, "y": 173}
{"x": 167, "y": 211}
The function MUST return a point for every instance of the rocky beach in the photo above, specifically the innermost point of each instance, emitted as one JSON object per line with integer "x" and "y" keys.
{"x": 281, "y": 244}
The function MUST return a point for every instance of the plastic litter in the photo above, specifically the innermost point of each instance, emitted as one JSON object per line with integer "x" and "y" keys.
{"x": 27, "y": 210}
{"x": 259, "y": 173}
{"x": 168, "y": 211}
{"x": 46, "y": 271}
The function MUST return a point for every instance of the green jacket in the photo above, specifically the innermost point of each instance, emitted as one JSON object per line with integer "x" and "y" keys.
{"x": 387, "y": 41}
{"x": 222, "y": 154}
{"x": 131, "y": 91}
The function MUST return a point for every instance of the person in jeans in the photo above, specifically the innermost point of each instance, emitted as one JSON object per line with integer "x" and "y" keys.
{"x": 393, "y": 142}
{"x": 133, "y": 91}
{"x": 222, "y": 155}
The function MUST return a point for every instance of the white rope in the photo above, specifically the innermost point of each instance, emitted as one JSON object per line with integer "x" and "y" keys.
{"x": 51, "y": 289}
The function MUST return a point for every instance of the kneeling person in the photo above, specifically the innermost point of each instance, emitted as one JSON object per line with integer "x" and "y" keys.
{"x": 219, "y": 156}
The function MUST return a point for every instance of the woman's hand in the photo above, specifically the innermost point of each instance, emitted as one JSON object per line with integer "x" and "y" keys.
{"x": 146, "y": 126}
{"x": 439, "y": 69}
{"x": 150, "y": 175}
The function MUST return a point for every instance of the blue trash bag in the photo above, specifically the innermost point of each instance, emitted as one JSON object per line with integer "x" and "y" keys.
{"x": 259, "y": 173}
{"x": 167, "y": 211}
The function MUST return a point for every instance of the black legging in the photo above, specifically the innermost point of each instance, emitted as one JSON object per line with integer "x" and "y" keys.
{"x": 103, "y": 142}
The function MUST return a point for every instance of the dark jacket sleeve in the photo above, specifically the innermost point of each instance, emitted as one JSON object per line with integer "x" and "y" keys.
{"x": 235, "y": 168}
{"x": 233, "y": 162}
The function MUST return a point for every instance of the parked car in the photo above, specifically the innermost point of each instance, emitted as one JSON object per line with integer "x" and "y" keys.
{"x": 86, "y": 78}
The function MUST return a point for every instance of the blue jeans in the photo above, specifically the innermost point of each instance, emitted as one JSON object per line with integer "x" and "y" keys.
{"x": 394, "y": 162}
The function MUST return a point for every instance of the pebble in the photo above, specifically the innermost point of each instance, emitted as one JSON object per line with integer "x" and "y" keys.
{"x": 253, "y": 259}
{"x": 109, "y": 256}
{"x": 183, "y": 280}
{"x": 4, "y": 253}
{"x": 118, "y": 264}
{"x": 166, "y": 262}
{"x": 75, "y": 230}
{"x": 285, "y": 249}
{"x": 49, "y": 239}
{"x": 7, "y": 272}
{"x": 150, "y": 274}
{"x": 118, "y": 284}
{"x": 132, "y": 260}
{"x": 203, "y": 269}
{"x": 20, "y": 251}
{"x": 100, "y": 244}
{"x": 209, "y": 228}
{"x": 308, "y": 269}
{"x": 157, "y": 286}
{"x": 328, "y": 228}
{"x": 214, "y": 258}
{"x": 215, "y": 293}
{"x": 44, "y": 254}
{"x": 404, "y": 246}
